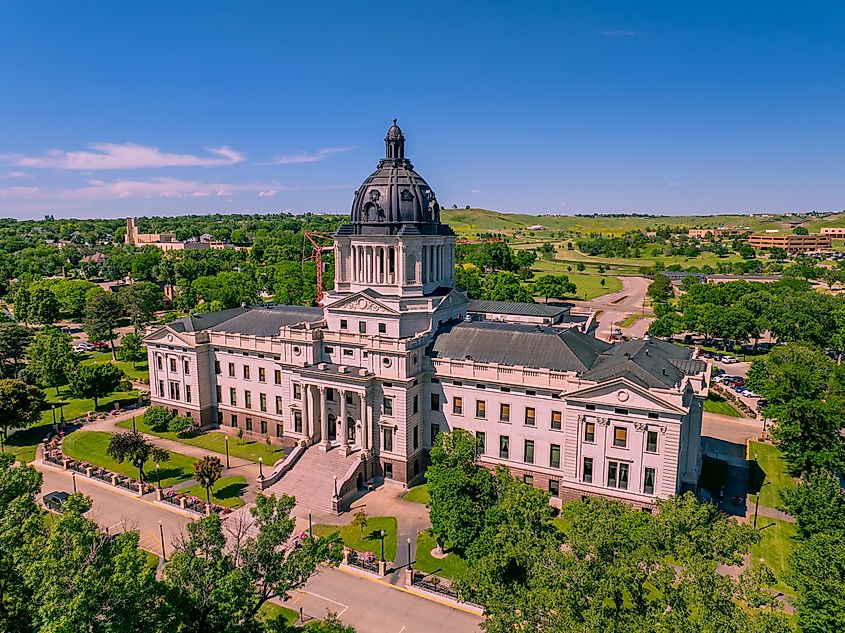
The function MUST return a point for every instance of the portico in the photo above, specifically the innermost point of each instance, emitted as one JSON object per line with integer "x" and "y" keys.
{"x": 337, "y": 416}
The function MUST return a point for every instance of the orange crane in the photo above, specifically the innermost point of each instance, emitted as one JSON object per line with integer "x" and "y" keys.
{"x": 316, "y": 255}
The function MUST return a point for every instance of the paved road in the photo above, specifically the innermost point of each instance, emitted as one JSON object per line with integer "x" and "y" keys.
{"x": 630, "y": 301}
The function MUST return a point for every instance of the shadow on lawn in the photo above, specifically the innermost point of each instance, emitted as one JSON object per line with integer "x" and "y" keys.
{"x": 230, "y": 491}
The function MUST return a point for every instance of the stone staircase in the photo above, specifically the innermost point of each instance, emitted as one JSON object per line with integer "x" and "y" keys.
{"x": 311, "y": 480}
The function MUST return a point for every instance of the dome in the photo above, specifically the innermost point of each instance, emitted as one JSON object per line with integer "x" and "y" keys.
{"x": 395, "y": 198}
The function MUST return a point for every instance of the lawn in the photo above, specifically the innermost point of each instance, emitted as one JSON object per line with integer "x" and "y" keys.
{"x": 585, "y": 282}
{"x": 226, "y": 491}
{"x": 767, "y": 471}
{"x": 91, "y": 446}
{"x": 451, "y": 567}
{"x": 23, "y": 443}
{"x": 631, "y": 319}
{"x": 215, "y": 441}
{"x": 774, "y": 548}
{"x": 418, "y": 494}
{"x": 717, "y": 404}
{"x": 371, "y": 542}
{"x": 270, "y": 611}
{"x": 77, "y": 407}
{"x": 134, "y": 372}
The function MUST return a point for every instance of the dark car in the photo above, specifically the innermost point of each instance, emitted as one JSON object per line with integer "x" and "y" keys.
{"x": 55, "y": 500}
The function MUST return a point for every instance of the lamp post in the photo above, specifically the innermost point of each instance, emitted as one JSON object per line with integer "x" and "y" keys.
{"x": 158, "y": 475}
{"x": 62, "y": 413}
{"x": 757, "y": 503}
{"x": 73, "y": 478}
{"x": 381, "y": 534}
{"x": 133, "y": 423}
{"x": 410, "y": 566}
{"x": 310, "y": 531}
{"x": 335, "y": 485}
{"x": 161, "y": 533}
{"x": 226, "y": 438}
{"x": 54, "y": 415}
{"x": 260, "y": 467}
{"x": 140, "y": 471}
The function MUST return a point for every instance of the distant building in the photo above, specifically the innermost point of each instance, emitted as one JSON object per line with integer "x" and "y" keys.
{"x": 677, "y": 276}
{"x": 790, "y": 243}
{"x": 720, "y": 232}
{"x": 833, "y": 232}
{"x": 167, "y": 241}
{"x": 96, "y": 258}
{"x": 535, "y": 227}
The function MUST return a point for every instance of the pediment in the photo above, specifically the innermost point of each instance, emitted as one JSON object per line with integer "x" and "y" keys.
{"x": 166, "y": 335}
{"x": 622, "y": 393}
{"x": 361, "y": 302}
{"x": 453, "y": 299}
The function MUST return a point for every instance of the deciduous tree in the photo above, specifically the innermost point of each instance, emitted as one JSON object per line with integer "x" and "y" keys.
{"x": 133, "y": 447}
{"x": 207, "y": 471}
{"x": 20, "y": 404}
{"x": 95, "y": 381}
{"x": 102, "y": 315}
{"x": 131, "y": 350}
{"x": 51, "y": 357}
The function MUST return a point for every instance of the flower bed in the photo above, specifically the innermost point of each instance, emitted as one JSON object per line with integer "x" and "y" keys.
{"x": 53, "y": 454}
{"x": 363, "y": 560}
{"x": 191, "y": 503}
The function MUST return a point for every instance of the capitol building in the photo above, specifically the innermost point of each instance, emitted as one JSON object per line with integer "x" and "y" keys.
{"x": 359, "y": 387}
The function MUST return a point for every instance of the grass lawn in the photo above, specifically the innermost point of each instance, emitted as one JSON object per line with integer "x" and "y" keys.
{"x": 215, "y": 441}
{"x": 226, "y": 492}
{"x": 270, "y": 611}
{"x": 630, "y": 320}
{"x": 371, "y": 542}
{"x": 91, "y": 446}
{"x": 134, "y": 372}
{"x": 450, "y": 567}
{"x": 561, "y": 524}
{"x": 23, "y": 443}
{"x": 76, "y": 407}
{"x": 769, "y": 476}
{"x": 418, "y": 494}
{"x": 774, "y": 548}
{"x": 152, "y": 559}
{"x": 589, "y": 282}
{"x": 717, "y": 404}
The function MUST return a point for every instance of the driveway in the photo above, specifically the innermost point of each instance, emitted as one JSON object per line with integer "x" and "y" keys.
{"x": 618, "y": 306}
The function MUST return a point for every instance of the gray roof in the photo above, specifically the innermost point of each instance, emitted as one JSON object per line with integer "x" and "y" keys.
{"x": 268, "y": 321}
{"x": 650, "y": 363}
{"x": 518, "y": 309}
{"x": 200, "y": 322}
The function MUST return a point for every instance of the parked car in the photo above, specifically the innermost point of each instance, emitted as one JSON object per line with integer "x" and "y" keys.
{"x": 717, "y": 357}
{"x": 84, "y": 347}
{"x": 728, "y": 360}
{"x": 55, "y": 500}
{"x": 101, "y": 345}
{"x": 750, "y": 394}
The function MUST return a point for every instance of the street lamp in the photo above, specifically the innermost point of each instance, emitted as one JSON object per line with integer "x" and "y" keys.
{"x": 73, "y": 478}
{"x": 158, "y": 474}
{"x": 310, "y": 531}
{"x": 335, "y": 485}
{"x": 54, "y": 415}
{"x": 62, "y": 412}
{"x": 161, "y": 533}
{"x": 260, "y": 467}
{"x": 140, "y": 471}
{"x": 410, "y": 566}
{"x": 381, "y": 534}
{"x": 133, "y": 424}
{"x": 226, "y": 437}
{"x": 757, "y": 503}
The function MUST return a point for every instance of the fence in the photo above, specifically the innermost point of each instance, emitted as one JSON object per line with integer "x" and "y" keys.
{"x": 362, "y": 561}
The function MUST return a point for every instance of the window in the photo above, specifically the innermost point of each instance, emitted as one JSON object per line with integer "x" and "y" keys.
{"x": 158, "y": 361}
{"x": 297, "y": 421}
{"x": 219, "y": 390}
{"x": 262, "y": 377}
{"x": 329, "y": 395}
{"x": 554, "y": 488}
{"x": 591, "y": 407}
{"x": 249, "y": 424}
{"x": 589, "y": 431}
{"x": 233, "y": 396}
{"x": 277, "y": 376}
{"x": 263, "y": 427}
{"x": 528, "y": 479}
{"x": 435, "y": 429}
{"x": 554, "y": 456}
{"x": 173, "y": 365}
{"x": 174, "y": 390}
{"x": 458, "y": 405}
{"x": 187, "y": 393}
{"x": 619, "y": 411}
{"x": 280, "y": 430}
{"x": 262, "y": 401}
{"x": 344, "y": 325}
{"x": 505, "y": 389}
{"x": 329, "y": 349}
{"x": 504, "y": 412}
{"x": 587, "y": 474}
{"x": 278, "y": 404}
{"x": 348, "y": 352}
{"x": 246, "y": 372}
{"x": 187, "y": 365}
{"x": 504, "y": 446}
{"x": 651, "y": 441}
{"x": 528, "y": 452}
{"x": 617, "y": 475}
{"x": 416, "y": 437}
{"x": 416, "y": 404}
{"x": 530, "y": 416}
{"x": 382, "y": 328}
{"x": 387, "y": 405}
{"x": 388, "y": 439}
{"x": 348, "y": 397}
{"x": 231, "y": 370}
{"x": 234, "y": 420}
{"x": 481, "y": 441}
{"x": 648, "y": 481}
{"x": 480, "y": 409}
{"x": 388, "y": 470}
{"x": 620, "y": 436}
{"x": 653, "y": 415}
{"x": 297, "y": 391}
{"x": 248, "y": 399}
{"x": 556, "y": 419}
{"x": 217, "y": 367}
{"x": 435, "y": 402}
{"x": 362, "y": 327}
{"x": 161, "y": 388}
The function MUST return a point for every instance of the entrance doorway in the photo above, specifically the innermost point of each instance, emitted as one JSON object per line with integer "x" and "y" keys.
{"x": 350, "y": 430}
{"x": 332, "y": 427}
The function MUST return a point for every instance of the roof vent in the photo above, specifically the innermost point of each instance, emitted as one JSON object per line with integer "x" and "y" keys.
{"x": 664, "y": 371}
{"x": 322, "y": 366}
{"x": 627, "y": 356}
{"x": 646, "y": 337}
{"x": 343, "y": 369}
{"x": 243, "y": 304}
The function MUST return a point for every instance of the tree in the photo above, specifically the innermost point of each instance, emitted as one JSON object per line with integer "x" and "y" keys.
{"x": 51, "y": 357}
{"x": 360, "y": 519}
{"x": 207, "y": 471}
{"x": 157, "y": 418}
{"x": 133, "y": 447}
{"x": 43, "y": 306}
{"x": 181, "y": 424}
{"x": 23, "y": 302}
{"x": 95, "y": 381}
{"x": 817, "y": 503}
{"x": 140, "y": 301}
{"x": 131, "y": 350}
{"x": 13, "y": 342}
{"x": 554, "y": 286}
{"x": 505, "y": 286}
{"x": 20, "y": 405}
{"x": 660, "y": 288}
{"x": 800, "y": 230}
{"x": 468, "y": 278}
{"x": 72, "y": 294}
{"x": 817, "y": 572}
{"x": 231, "y": 289}
{"x": 102, "y": 314}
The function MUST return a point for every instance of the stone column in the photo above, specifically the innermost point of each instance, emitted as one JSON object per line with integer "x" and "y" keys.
{"x": 365, "y": 422}
{"x": 344, "y": 435}
{"x": 324, "y": 419}
{"x": 306, "y": 412}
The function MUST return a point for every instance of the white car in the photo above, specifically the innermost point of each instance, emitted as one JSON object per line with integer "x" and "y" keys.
{"x": 729, "y": 360}
{"x": 84, "y": 347}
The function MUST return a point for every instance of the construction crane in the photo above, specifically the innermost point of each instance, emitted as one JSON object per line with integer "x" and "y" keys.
{"x": 316, "y": 255}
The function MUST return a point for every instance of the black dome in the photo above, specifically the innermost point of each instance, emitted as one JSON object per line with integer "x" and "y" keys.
{"x": 395, "y": 198}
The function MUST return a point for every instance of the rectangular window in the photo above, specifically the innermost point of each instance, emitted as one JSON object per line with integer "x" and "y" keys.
{"x": 458, "y": 405}
{"x": 554, "y": 488}
{"x": 161, "y": 388}
{"x": 387, "y": 405}
{"x": 480, "y": 409}
{"x": 617, "y": 475}
{"x": 297, "y": 421}
{"x": 246, "y": 372}
{"x": 530, "y": 416}
{"x": 297, "y": 391}
{"x": 174, "y": 390}
{"x": 388, "y": 470}
{"x": 329, "y": 349}
{"x": 556, "y": 420}
{"x": 651, "y": 441}
{"x": 528, "y": 452}
{"x": 219, "y": 390}
{"x": 481, "y": 441}
{"x": 619, "y": 411}
{"x": 504, "y": 412}
{"x": 388, "y": 439}
{"x": 248, "y": 399}
{"x": 589, "y": 432}
{"x": 249, "y": 424}
{"x": 217, "y": 367}
{"x": 416, "y": 437}
{"x": 435, "y": 429}
{"x": 277, "y": 376}
{"x": 158, "y": 361}
{"x": 234, "y": 420}
{"x": 330, "y": 395}
{"x": 280, "y": 430}
{"x": 173, "y": 365}
{"x": 591, "y": 407}
{"x": 278, "y": 404}
{"x": 620, "y": 436}
{"x": 382, "y": 328}
{"x": 262, "y": 401}
{"x": 653, "y": 415}
{"x": 587, "y": 474}
{"x": 263, "y": 427}
{"x": 344, "y": 324}
{"x": 416, "y": 405}
{"x": 187, "y": 393}
{"x": 362, "y": 327}
{"x": 348, "y": 352}
{"x": 435, "y": 402}
{"x": 348, "y": 397}
{"x": 233, "y": 396}
{"x": 554, "y": 456}
{"x": 187, "y": 365}
{"x": 261, "y": 375}
{"x": 648, "y": 481}
{"x": 504, "y": 446}
{"x": 528, "y": 479}
{"x": 231, "y": 370}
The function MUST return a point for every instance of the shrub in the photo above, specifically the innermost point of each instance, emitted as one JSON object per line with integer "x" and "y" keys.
{"x": 181, "y": 424}
{"x": 158, "y": 418}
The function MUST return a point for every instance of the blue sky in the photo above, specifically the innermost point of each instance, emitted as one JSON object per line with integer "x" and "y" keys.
{"x": 117, "y": 108}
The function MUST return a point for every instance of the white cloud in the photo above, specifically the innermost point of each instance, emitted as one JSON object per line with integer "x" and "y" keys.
{"x": 619, "y": 33}
{"x": 267, "y": 194}
{"x": 100, "y": 156}
{"x": 476, "y": 191}
{"x": 673, "y": 183}
{"x": 16, "y": 174}
{"x": 306, "y": 157}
